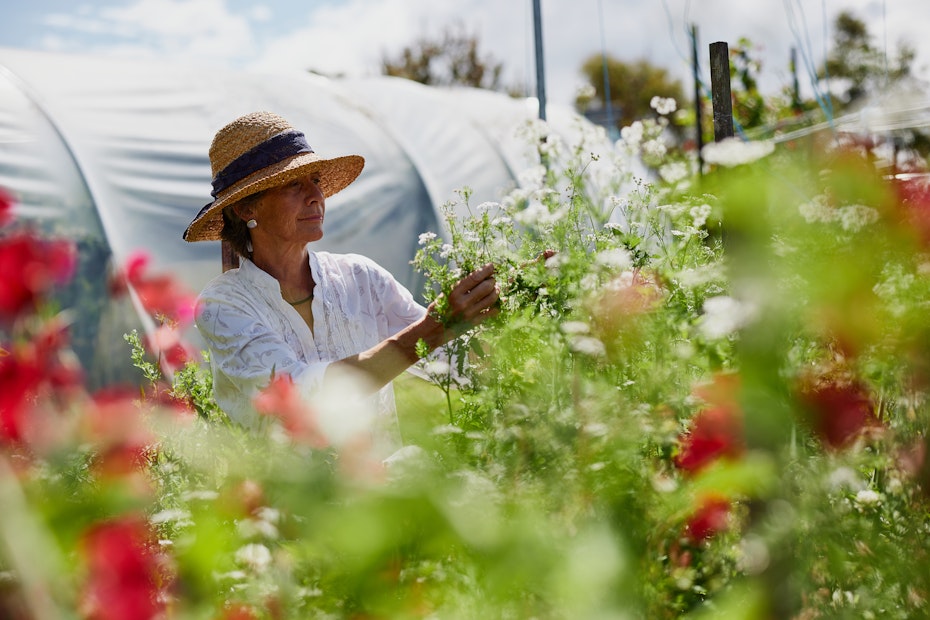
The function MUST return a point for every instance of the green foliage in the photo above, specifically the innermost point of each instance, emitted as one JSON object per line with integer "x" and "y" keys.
{"x": 632, "y": 86}
{"x": 551, "y": 478}
{"x": 855, "y": 60}
{"x": 450, "y": 60}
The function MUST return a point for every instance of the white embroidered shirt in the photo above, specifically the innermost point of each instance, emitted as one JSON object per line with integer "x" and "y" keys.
{"x": 249, "y": 330}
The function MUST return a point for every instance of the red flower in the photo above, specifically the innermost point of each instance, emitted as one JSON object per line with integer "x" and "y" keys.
{"x": 282, "y": 401}
{"x": 914, "y": 203}
{"x": 839, "y": 408}
{"x": 122, "y": 571}
{"x": 716, "y": 431}
{"x": 30, "y": 373}
{"x": 6, "y": 207}
{"x": 29, "y": 268}
{"x": 711, "y": 517}
{"x": 19, "y": 384}
{"x": 238, "y": 611}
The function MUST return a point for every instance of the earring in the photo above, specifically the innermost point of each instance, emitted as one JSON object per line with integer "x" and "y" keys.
{"x": 251, "y": 223}
{"x": 248, "y": 246}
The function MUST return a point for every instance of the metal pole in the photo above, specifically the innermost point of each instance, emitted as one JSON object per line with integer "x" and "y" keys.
{"x": 608, "y": 99}
{"x": 540, "y": 72}
{"x": 698, "y": 101}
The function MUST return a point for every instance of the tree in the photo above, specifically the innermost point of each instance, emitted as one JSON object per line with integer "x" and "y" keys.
{"x": 451, "y": 59}
{"x": 856, "y": 66}
{"x": 632, "y": 86}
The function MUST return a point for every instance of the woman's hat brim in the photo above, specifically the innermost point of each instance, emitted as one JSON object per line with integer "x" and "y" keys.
{"x": 335, "y": 175}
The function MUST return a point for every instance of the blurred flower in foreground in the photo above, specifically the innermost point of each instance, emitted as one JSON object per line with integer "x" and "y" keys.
{"x": 282, "y": 400}
{"x": 38, "y": 372}
{"x": 711, "y": 517}
{"x": 122, "y": 571}
{"x": 166, "y": 344}
{"x": 115, "y": 424}
{"x": 913, "y": 193}
{"x": 160, "y": 295}
{"x": 734, "y": 152}
{"x": 716, "y": 431}
{"x": 6, "y": 207}
{"x": 618, "y": 306}
{"x": 839, "y": 407}
{"x": 29, "y": 268}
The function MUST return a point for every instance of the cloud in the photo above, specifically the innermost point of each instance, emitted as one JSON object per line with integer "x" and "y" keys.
{"x": 351, "y": 36}
{"x": 171, "y": 29}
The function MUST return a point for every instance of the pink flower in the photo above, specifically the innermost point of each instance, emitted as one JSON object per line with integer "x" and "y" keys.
{"x": 114, "y": 423}
{"x": 29, "y": 268}
{"x": 122, "y": 571}
{"x": 281, "y": 400}
{"x": 160, "y": 295}
{"x": 166, "y": 344}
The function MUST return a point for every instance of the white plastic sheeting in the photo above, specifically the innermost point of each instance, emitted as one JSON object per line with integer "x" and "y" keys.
{"x": 113, "y": 152}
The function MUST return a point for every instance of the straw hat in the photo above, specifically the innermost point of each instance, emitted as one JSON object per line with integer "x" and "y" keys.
{"x": 258, "y": 151}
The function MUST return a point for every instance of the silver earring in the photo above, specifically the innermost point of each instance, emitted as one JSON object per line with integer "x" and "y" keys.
{"x": 248, "y": 246}
{"x": 251, "y": 223}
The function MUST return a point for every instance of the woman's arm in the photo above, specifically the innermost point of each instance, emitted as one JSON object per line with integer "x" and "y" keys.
{"x": 471, "y": 301}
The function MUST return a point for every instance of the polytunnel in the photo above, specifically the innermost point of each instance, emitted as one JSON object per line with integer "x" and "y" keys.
{"x": 112, "y": 152}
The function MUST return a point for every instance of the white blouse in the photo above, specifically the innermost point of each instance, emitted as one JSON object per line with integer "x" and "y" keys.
{"x": 249, "y": 330}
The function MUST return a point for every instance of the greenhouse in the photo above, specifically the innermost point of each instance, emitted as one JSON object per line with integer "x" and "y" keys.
{"x": 113, "y": 153}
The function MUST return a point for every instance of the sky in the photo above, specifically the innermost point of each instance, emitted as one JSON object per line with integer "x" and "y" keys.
{"x": 351, "y": 37}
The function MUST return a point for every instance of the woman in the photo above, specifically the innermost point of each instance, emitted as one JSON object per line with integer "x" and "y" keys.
{"x": 290, "y": 310}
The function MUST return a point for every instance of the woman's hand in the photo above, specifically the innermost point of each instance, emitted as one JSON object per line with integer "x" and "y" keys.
{"x": 472, "y": 300}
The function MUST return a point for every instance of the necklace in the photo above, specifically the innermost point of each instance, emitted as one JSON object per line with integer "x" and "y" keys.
{"x": 301, "y": 301}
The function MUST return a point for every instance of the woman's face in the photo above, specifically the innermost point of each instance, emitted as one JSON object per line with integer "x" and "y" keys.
{"x": 292, "y": 212}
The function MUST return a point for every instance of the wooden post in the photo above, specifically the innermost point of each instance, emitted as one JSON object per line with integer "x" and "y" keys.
{"x": 230, "y": 258}
{"x": 698, "y": 114}
{"x": 720, "y": 90}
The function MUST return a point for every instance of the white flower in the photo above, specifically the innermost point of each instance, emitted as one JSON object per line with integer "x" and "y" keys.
{"x": 632, "y": 135}
{"x": 868, "y": 497}
{"x": 587, "y": 345}
{"x": 181, "y": 517}
{"x": 673, "y": 172}
{"x": 426, "y": 237}
{"x": 574, "y": 327}
{"x": 700, "y": 213}
{"x": 655, "y": 149}
{"x": 618, "y": 258}
{"x": 446, "y": 250}
{"x": 817, "y": 210}
{"x": 255, "y": 556}
{"x": 501, "y": 222}
{"x": 486, "y": 207}
{"x": 845, "y": 477}
{"x": 733, "y": 151}
{"x": 437, "y": 368}
{"x": 587, "y": 91}
{"x": 724, "y": 315}
{"x": 663, "y": 105}
{"x": 854, "y": 218}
